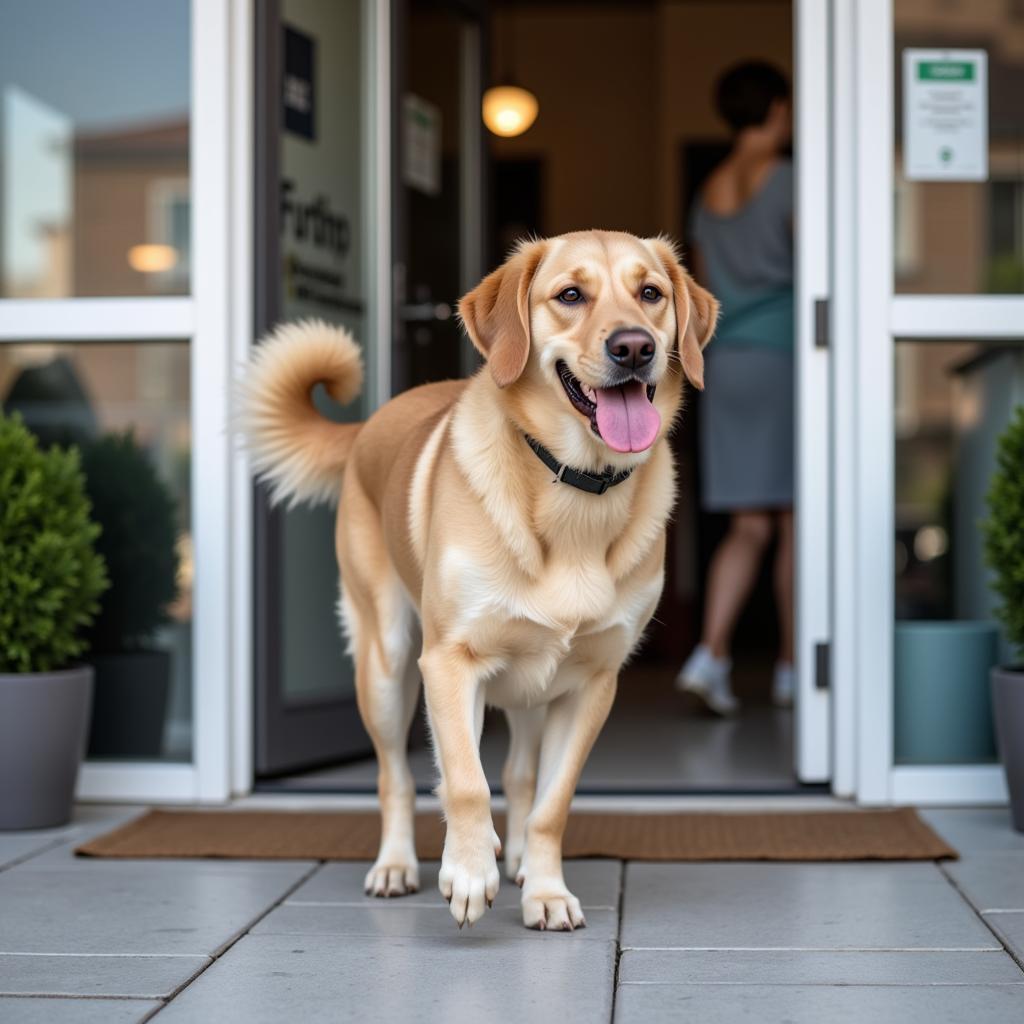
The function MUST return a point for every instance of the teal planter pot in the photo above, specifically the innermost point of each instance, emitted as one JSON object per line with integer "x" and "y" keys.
{"x": 943, "y": 697}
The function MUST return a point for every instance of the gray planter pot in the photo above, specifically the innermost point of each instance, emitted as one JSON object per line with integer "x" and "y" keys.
{"x": 129, "y": 705}
{"x": 43, "y": 722}
{"x": 1008, "y": 710}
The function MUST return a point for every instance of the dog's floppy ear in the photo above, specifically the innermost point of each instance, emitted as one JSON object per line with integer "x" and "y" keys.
{"x": 496, "y": 313}
{"x": 696, "y": 313}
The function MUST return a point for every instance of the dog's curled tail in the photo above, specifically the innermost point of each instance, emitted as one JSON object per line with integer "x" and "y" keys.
{"x": 296, "y": 450}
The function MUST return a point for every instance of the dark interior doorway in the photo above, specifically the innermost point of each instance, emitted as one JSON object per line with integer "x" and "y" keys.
{"x": 627, "y": 150}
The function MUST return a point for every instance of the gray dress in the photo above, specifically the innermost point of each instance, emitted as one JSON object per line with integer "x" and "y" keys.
{"x": 746, "y": 411}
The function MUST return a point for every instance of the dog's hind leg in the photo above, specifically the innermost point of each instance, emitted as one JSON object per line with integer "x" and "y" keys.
{"x": 519, "y": 779}
{"x": 382, "y": 629}
{"x": 387, "y": 688}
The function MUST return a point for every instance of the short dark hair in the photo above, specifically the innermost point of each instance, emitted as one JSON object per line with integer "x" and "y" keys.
{"x": 746, "y": 91}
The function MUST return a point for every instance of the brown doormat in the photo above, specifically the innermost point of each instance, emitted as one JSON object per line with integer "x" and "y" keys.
{"x": 286, "y": 835}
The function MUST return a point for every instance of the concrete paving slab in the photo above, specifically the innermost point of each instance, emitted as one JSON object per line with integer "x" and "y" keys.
{"x": 19, "y": 1010}
{"x": 797, "y": 906}
{"x": 16, "y": 846}
{"x": 1009, "y": 928}
{"x": 595, "y": 883}
{"x": 141, "y": 977}
{"x": 813, "y": 967}
{"x": 809, "y": 1004}
{"x": 991, "y": 880}
{"x": 266, "y": 979}
{"x": 975, "y": 829}
{"x": 412, "y": 921}
{"x": 87, "y": 821}
{"x": 149, "y": 907}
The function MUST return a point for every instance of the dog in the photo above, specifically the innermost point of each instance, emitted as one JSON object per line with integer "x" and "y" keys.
{"x": 501, "y": 538}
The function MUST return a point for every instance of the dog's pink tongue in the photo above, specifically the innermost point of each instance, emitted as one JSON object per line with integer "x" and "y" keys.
{"x": 627, "y": 420}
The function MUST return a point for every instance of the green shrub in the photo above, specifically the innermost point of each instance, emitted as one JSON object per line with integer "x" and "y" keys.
{"x": 136, "y": 511}
{"x": 50, "y": 573}
{"x": 1004, "y": 530}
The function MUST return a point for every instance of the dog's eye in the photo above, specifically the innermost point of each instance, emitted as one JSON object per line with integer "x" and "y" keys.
{"x": 650, "y": 294}
{"x": 569, "y": 296}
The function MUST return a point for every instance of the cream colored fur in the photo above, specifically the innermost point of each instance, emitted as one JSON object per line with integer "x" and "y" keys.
{"x": 299, "y": 453}
{"x": 529, "y": 596}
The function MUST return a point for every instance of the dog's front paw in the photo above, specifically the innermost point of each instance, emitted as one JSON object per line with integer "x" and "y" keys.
{"x": 468, "y": 879}
{"x": 549, "y": 906}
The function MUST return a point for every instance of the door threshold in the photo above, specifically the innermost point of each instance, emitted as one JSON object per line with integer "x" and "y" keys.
{"x": 284, "y": 786}
{"x": 806, "y": 798}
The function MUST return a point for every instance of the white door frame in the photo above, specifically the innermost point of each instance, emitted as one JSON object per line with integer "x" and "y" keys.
{"x": 812, "y": 753}
{"x": 239, "y": 734}
{"x": 872, "y": 386}
{"x": 843, "y": 328}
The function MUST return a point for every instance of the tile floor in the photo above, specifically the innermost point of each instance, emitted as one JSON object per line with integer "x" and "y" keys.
{"x": 656, "y": 740}
{"x": 183, "y": 941}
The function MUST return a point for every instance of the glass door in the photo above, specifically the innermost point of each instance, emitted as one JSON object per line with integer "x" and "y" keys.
{"x": 940, "y": 371}
{"x": 368, "y": 119}
{"x": 316, "y": 243}
{"x": 438, "y": 186}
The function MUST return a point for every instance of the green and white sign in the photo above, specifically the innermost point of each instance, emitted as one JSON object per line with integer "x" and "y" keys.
{"x": 945, "y": 115}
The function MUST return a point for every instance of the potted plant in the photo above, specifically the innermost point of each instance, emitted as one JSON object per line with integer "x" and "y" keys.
{"x": 50, "y": 578}
{"x": 136, "y": 511}
{"x": 1004, "y": 552}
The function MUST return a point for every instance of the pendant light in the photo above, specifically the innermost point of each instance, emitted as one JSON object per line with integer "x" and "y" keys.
{"x": 508, "y": 109}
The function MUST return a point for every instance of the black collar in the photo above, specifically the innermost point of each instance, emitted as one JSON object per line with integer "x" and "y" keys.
{"x": 592, "y": 483}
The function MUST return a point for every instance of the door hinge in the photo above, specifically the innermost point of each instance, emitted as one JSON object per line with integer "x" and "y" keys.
{"x": 822, "y": 666}
{"x": 822, "y": 332}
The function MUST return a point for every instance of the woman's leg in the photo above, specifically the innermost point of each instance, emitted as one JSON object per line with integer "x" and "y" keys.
{"x": 783, "y": 575}
{"x": 732, "y": 576}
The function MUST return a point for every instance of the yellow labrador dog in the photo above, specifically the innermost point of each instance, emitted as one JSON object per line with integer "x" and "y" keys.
{"x": 515, "y": 522}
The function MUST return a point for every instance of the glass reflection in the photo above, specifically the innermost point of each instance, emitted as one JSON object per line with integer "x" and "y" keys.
{"x": 126, "y": 406}
{"x": 965, "y": 237}
{"x": 94, "y": 148}
{"x": 952, "y": 402}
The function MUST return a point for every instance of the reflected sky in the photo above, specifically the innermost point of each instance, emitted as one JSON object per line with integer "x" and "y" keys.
{"x": 102, "y": 75}
{"x": 103, "y": 63}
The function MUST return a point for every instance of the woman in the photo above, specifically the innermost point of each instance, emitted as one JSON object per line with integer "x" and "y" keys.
{"x": 742, "y": 227}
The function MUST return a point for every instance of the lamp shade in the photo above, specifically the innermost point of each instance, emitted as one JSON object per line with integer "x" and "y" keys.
{"x": 509, "y": 110}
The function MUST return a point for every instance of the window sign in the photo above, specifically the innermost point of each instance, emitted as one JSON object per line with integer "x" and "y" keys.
{"x": 422, "y": 154}
{"x": 945, "y": 115}
{"x": 321, "y": 186}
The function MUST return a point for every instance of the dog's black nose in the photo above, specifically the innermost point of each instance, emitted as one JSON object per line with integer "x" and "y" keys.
{"x": 630, "y": 347}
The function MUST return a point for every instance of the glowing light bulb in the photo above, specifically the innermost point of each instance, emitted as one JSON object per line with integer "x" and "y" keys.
{"x": 152, "y": 259}
{"x": 509, "y": 110}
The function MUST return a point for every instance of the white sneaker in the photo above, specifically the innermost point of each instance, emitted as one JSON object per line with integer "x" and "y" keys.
{"x": 783, "y": 685}
{"x": 708, "y": 677}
